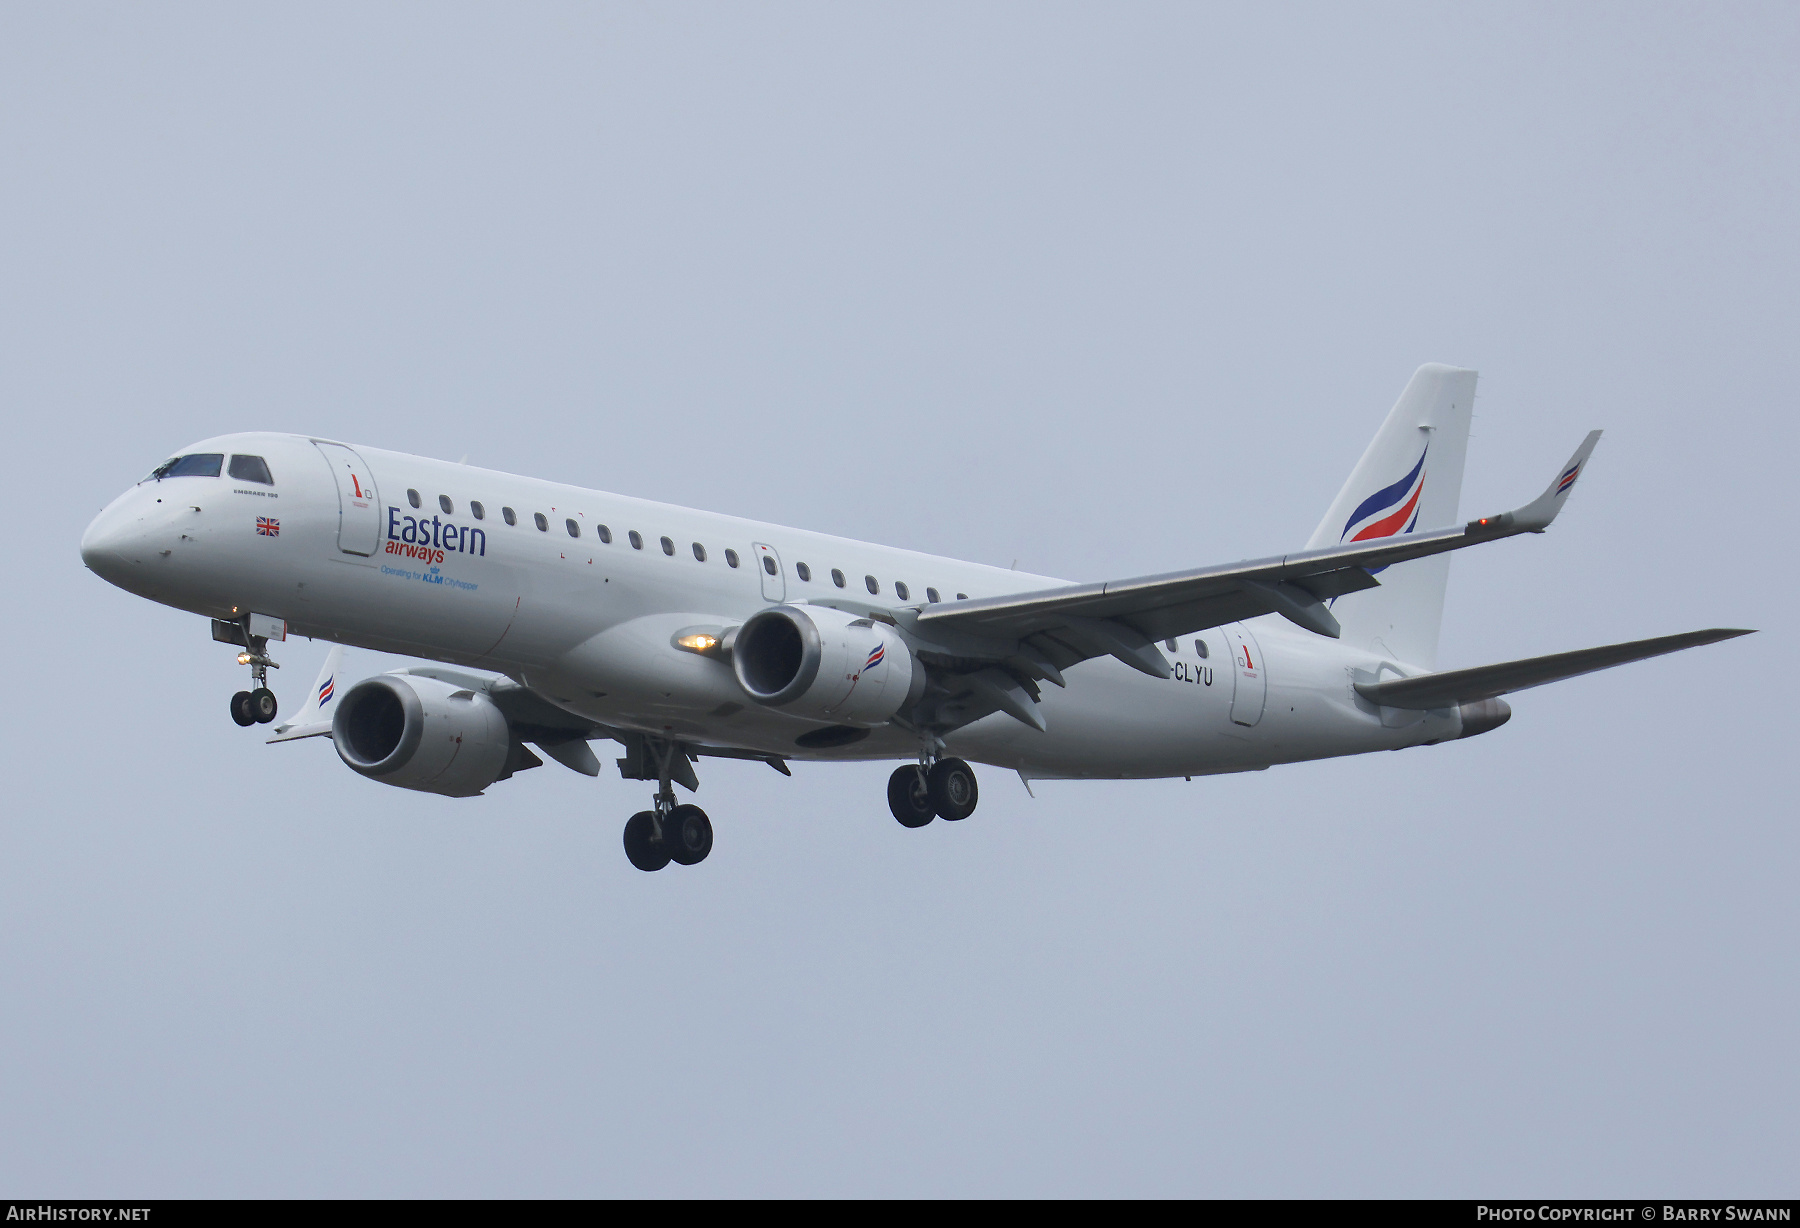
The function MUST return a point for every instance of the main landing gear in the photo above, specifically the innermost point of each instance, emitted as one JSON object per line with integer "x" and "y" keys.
{"x": 944, "y": 789}
{"x": 681, "y": 834}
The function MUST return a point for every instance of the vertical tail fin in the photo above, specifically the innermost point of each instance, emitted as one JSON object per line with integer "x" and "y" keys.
{"x": 1410, "y": 477}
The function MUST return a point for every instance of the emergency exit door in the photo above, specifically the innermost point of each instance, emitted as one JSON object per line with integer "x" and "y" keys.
{"x": 768, "y": 565}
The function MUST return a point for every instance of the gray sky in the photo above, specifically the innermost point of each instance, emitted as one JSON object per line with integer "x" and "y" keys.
{"x": 1104, "y": 289}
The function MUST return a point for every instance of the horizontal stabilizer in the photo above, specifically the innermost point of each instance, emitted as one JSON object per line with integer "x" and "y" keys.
{"x": 1460, "y": 686}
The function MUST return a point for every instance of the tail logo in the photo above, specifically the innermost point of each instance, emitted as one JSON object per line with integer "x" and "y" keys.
{"x": 325, "y": 690}
{"x": 1568, "y": 479}
{"x": 1392, "y": 510}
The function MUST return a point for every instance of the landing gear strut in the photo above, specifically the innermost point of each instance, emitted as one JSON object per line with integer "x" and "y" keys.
{"x": 932, "y": 789}
{"x": 681, "y": 834}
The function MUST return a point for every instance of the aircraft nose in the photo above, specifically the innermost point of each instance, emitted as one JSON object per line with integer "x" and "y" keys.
{"x": 113, "y": 544}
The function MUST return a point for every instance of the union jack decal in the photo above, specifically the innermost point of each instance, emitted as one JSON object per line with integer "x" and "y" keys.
{"x": 268, "y": 526}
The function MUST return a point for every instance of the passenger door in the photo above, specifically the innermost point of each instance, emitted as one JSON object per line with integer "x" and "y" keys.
{"x": 359, "y": 509}
{"x": 1250, "y": 681}
{"x": 768, "y": 565}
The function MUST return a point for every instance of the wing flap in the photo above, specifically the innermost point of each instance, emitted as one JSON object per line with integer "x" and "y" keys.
{"x": 1460, "y": 686}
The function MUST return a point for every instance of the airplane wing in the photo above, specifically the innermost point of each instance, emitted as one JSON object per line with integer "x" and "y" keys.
{"x": 1460, "y": 686}
{"x": 1055, "y": 628}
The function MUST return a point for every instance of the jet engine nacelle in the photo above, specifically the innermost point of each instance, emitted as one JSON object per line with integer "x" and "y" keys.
{"x": 825, "y": 665}
{"x": 419, "y": 733}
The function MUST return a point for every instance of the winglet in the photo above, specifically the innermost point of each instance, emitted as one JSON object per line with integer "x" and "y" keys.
{"x": 1536, "y": 516}
{"x": 311, "y": 721}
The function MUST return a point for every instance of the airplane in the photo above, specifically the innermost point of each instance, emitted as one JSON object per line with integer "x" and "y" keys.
{"x": 553, "y": 616}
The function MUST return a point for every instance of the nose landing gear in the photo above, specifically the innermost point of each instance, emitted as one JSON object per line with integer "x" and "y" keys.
{"x": 256, "y": 706}
{"x": 240, "y": 709}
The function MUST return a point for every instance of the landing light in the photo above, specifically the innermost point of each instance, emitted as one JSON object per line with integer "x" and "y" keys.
{"x": 699, "y": 643}
{"x": 243, "y": 658}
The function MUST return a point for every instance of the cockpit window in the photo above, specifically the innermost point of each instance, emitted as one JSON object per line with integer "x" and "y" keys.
{"x": 198, "y": 465}
{"x": 251, "y": 469}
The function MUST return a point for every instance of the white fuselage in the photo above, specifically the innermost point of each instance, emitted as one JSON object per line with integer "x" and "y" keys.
{"x": 588, "y": 624}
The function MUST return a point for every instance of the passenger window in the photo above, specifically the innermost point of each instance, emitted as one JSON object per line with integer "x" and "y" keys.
{"x": 731, "y": 558}
{"x": 476, "y": 510}
{"x": 1200, "y": 648}
{"x": 803, "y": 571}
{"x": 837, "y": 577}
{"x": 668, "y": 547}
{"x": 412, "y": 497}
{"x": 605, "y": 533}
{"x": 251, "y": 469}
{"x": 769, "y": 565}
{"x": 873, "y": 583}
{"x": 931, "y": 595}
{"x": 900, "y": 590}
{"x": 542, "y": 523}
{"x": 574, "y": 529}
{"x": 699, "y": 553}
{"x": 1172, "y": 645}
{"x": 510, "y": 516}
{"x": 962, "y": 596}
{"x": 444, "y": 502}
{"x": 637, "y": 539}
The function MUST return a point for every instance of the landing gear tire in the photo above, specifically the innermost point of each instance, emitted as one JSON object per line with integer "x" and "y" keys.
{"x": 642, "y": 848}
{"x": 262, "y": 705}
{"x": 688, "y": 835}
{"x": 909, "y": 797}
{"x": 951, "y": 784}
{"x": 240, "y": 709}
